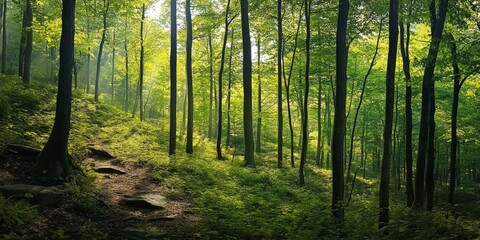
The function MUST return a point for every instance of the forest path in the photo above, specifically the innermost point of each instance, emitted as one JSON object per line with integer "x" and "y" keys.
{"x": 97, "y": 209}
{"x": 126, "y": 180}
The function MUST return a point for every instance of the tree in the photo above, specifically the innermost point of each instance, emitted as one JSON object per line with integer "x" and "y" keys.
{"x": 247, "y": 85}
{"x": 173, "y": 76}
{"x": 142, "y": 64}
{"x": 4, "y": 38}
{"x": 279, "y": 85}
{"x": 189, "y": 148}
{"x": 53, "y": 163}
{"x": 457, "y": 85}
{"x": 339, "y": 123}
{"x": 113, "y": 66}
{"x": 26, "y": 45}
{"x": 106, "y": 5}
{"x": 303, "y": 156}
{"x": 425, "y": 176}
{"x": 405, "y": 47}
{"x": 258, "y": 146}
{"x": 384, "y": 195}
{"x": 220, "y": 84}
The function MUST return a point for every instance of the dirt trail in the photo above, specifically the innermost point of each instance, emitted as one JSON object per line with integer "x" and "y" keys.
{"x": 117, "y": 221}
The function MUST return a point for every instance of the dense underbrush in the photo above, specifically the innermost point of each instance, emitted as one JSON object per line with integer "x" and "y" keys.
{"x": 233, "y": 201}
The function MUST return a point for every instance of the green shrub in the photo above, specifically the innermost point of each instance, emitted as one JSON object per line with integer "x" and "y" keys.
{"x": 14, "y": 212}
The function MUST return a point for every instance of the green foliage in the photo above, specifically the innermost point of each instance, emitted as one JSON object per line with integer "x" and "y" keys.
{"x": 83, "y": 194}
{"x": 14, "y": 212}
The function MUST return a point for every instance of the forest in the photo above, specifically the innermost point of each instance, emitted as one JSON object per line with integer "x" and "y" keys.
{"x": 221, "y": 119}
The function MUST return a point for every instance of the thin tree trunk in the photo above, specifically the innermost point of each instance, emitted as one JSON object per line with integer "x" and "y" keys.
{"x": 28, "y": 43}
{"x": 372, "y": 63}
{"x": 427, "y": 93}
{"x": 279, "y": 85}
{"x": 319, "y": 124}
{"x": 189, "y": 147}
{"x": 303, "y": 156}
{"x": 384, "y": 195}
{"x": 229, "y": 94}
{"x": 404, "y": 47}
{"x": 338, "y": 147}
{"x": 454, "y": 140}
{"x": 220, "y": 84}
{"x": 113, "y": 66}
{"x": 106, "y": 5}
{"x": 142, "y": 56}
{"x": 75, "y": 72}
{"x": 247, "y": 86}
{"x": 23, "y": 42}
{"x": 127, "y": 82}
{"x": 258, "y": 147}
{"x": 173, "y": 77}
{"x": 210, "y": 110}
{"x": 287, "y": 82}
{"x": 4, "y": 38}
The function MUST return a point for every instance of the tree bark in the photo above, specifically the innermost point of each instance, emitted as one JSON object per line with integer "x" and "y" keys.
{"x": 279, "y": 85}
{"x": 247, "y": 85}
{"x": 229, "y": 94}
{"x": 106, "y": 5}
{"x": 427, "y": 94}
{"x": 4, "y": 38}
{"x": 142, "y": 64}
{"x": 173, "y": 77}
{"x": 339, "y": 125}
{"x": 384, "y": 195}
{"x": 303, "y": 155}
{"x": 189, "y": 147}
{"x": 258, "y": 147}
{"x": 53, "y": 163}
{"x": 220, "y": 85}
{"x": 404, "y": 47}
{"x": 113, "y": 66}
{"x": 372, "y": 63}
{"x": 127, "y": 82}
{"x": 210, "y": 109}
{"x": 287, "y": 81}
{"x": 28, "y": 43}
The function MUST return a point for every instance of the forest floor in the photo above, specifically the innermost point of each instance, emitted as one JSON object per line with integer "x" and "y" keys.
{"x": 112, "y": 218}
{"x": 206, "y": 198}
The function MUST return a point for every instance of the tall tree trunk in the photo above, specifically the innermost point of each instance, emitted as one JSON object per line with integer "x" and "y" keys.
{"x": 303, "y": 156}
{"x": 127, "y": 82}
{"x": 319, "y": 125}
{"x": 210, "y": 109}
{"x": 454, "y": 140}
{"x": 189, "y": 147}
{"x": 113, "y": 66}
{"x": 4, "y": 38}
{"x": 279, "y": 85}
{"x": 106, "y": 5}
{"x": 28, "y": 43}
{"x": 53, "y": 163}
{"x": 372, "y": 63}
{"x": 23, "y": 42}
{"x": 229, "y": 94}
{"x": 258, "y": 147}
{"x": 173, "y": 77}
{"x": 405, "y": 47}
{"x": 339, "y": 125}
{"x": 287, "y": 82}
{"x": 220, "y": 85}
{"x": 247, "y": 85}
{"x": 87, "y": 80}
{"x": 142, "y": 65}
{"x": 75, "y": 72}
{"x": 389, "y": 104}
{"x": 427, "y": 93}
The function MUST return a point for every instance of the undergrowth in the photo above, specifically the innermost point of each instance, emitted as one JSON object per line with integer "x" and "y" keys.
{"x": 232, "y": 201}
